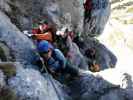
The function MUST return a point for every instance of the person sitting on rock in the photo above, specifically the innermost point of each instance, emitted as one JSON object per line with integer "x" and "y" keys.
{"x": 72, "y": 52}
{"x": 54, "y": 59}
{"x": 91, "y": 58}
{"x": 88, "y": 7}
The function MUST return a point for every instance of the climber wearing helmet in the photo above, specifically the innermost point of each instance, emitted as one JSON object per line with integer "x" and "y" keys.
{"x": 54, "y": 59}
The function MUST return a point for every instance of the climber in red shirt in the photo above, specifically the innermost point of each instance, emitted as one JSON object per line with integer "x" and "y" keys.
{"x": 87, "y": 8}
{"x": 44, "y": 32}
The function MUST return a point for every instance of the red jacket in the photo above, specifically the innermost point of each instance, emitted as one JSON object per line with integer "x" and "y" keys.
{"x": 88, "y": 5}
{"x": 36, "y": 31}
{"x": 44, "y": 36}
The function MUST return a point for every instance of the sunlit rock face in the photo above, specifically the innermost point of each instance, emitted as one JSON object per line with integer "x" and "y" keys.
{"x": 117, "y": 35}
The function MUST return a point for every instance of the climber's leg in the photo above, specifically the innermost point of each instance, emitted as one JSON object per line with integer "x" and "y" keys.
{"x": 73, "y": 71}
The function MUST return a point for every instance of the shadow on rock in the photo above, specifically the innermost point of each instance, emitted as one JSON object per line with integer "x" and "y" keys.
{"x": 89, "y": 87}
{"x": 97, "y": 53}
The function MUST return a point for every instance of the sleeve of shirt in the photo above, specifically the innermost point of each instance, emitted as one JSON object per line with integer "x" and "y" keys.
{"x": 60, "y": 57}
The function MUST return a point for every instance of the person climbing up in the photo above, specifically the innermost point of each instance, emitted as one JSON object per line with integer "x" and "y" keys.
{"x": 54, "y": 59}
{"x": 79, "y": 41}
{"x": 91, "y": 58}
{"x": 44, "y": 32}
{"x": 61, "y": 38}
{"x": 72, "y": 51}
{"x": 87, "y": 10}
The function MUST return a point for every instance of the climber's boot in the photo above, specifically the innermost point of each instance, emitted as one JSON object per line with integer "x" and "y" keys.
{"x": 95, "y": 68}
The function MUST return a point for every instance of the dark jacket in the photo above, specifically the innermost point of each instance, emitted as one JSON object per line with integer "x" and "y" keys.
{"x": 57, "y": 61}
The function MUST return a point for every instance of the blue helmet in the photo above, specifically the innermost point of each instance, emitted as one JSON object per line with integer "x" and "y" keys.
{"x": 44, "y": 46}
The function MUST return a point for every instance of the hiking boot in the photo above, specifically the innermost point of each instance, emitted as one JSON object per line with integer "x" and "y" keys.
{"x": 95, "y": 68}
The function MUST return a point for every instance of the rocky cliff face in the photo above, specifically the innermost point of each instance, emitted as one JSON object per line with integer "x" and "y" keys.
{"x": 21, "y": 83}
{"x": 15, "y": 15}
{"x": 58, "y": 12}
{"x": 119, "y": 29}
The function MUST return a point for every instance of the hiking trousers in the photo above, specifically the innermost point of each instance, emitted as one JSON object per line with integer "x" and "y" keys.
{"x": 70, "y": 69}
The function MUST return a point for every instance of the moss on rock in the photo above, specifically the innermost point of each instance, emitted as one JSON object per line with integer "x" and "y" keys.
{"x": 2, "y": 55}
{"x": 8, "y": 68}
